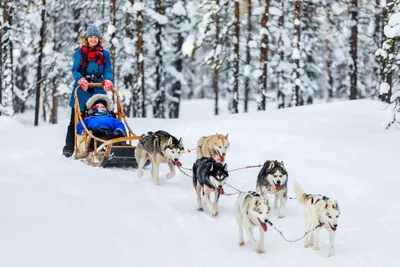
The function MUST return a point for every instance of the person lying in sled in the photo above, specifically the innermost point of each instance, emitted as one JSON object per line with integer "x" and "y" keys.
{"x": 100, "y": 121}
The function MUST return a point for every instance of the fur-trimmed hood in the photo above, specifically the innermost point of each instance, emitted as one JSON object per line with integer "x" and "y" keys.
{"x": 93, "y": 99}
{"x": 83, "y": 40}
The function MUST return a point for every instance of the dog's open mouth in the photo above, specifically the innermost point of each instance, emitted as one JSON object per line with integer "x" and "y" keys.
{"x": 221, "y": 191}
{"x": 176, "y": 163}
{"x": 263, "y": 225}
{"x": 332, "y": 228}
{"x": 221, "y": 158}
{"x": 277, "y": 186}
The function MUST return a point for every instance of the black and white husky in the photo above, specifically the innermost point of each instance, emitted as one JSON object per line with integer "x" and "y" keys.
{"x": 320, "y": 210}
{"x": 209, "y": 177}
{"x": 272, "y": 179}
{"x": 252, "y": 211}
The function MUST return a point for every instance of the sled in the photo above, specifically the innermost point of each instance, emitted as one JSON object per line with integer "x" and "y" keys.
{"x": 107, "y": 153}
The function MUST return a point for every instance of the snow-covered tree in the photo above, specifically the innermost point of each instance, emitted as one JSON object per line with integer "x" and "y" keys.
{"x": 389, "y": 54}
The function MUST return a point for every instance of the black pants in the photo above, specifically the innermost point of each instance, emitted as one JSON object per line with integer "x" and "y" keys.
{"x": 69, "y": 139}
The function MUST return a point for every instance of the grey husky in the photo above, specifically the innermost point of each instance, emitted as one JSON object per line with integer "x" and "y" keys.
{"x": 159, "y": 147}
{"x": 273, "y": 179}
{"x": 252, "y": 211}
{"x": 209, "y": 176}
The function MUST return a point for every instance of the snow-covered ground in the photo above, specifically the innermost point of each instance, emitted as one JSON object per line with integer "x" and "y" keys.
{"x": 59, "y": 212}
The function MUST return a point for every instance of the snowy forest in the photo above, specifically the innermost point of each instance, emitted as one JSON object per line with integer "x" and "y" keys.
{"x": 289, "y": 53}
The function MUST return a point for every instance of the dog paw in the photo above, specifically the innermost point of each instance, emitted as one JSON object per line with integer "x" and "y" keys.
{"x": 331, "y": 253}
{"x": 260, "y": 251}
{"x": 170, "y": 175}
{"x": 306, "y": 245}
{"x": 214, "y": 214}
{"x": 200, "y": 209}
{"x": 315, "y": 248}
{"x": 241, "y": 243}
{"x": 281, "y": 216}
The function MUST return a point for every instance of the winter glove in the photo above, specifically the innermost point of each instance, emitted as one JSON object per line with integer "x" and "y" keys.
{"x": 83, "y": 83}
{"x": 108, "y": 85}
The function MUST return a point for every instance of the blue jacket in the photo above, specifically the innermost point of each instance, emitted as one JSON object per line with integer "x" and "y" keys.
{"x": 107, "y": 122}
{"x": 93, "y": 68}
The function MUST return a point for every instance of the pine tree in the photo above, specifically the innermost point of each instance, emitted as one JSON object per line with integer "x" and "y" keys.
{"x": 39, "y": 80}
{"x": 388, "y": 54}
{"x": 179, "y": 31}
{"x": 7, "y": 104}
{"x": 263, "y": 80}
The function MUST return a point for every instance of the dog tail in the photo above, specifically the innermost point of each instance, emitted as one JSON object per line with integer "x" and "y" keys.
{"x": 194, "y": 175}
{"x": 300, "y": 195}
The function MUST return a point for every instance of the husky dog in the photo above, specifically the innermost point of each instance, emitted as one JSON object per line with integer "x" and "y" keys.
{"x": 158, "y": 147}
{"x": 273, "y": 179}
{"x": 252, "y": 211}
{"x": 214, "y": 146}
{"x": 209, "y": 176}
{"x": 320, "y": 211}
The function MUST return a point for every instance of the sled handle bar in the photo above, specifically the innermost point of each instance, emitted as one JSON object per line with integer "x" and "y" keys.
{"x": 119, "y": 105}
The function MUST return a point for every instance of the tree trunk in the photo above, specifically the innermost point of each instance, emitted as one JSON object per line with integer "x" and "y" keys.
{"x": 159, "y": 103}
{"x": 2, "y": 6}
{"x": 353, "y": 50}
{"x": 216, "y": 61}
{"x": 235, "y": 99}
{"x": 40, "y": 58}
{"x": 8, "y": 59}
{"x": 388, "y": 78}
{"x": 280, "y": 95}
{"x": 328, "y": 65}
{"x": 128, "y": 78}
{"x": 248, "y": 55}
{"x": 103, "y": 15}
{"x": 329, "y": 54}
{"x": 176, "y": 87}
{"x": 54, "y": 105}
{"x": 77, "y": 22}
{"x": 297, "y": 26}
{"x": 263, "y": 80}
{"x": 139, "y": 92}
{"x": 113, "y": 7}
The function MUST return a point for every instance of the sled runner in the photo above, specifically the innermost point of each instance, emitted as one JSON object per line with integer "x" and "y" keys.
{"x": 100, "y": 148}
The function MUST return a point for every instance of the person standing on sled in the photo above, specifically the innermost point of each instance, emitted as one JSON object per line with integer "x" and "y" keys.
{"x": 92, "y": 64}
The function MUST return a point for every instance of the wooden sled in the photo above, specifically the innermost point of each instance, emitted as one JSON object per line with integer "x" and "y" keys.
{"x": 113, "y": 153}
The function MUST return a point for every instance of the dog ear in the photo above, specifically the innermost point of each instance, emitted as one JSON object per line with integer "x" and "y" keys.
{"x": 169, "y": 141}
{"x": 226, "y": 136}
{"x": 326, "y": 205}
{"x": 212, "y": 166}
{"x": 271, "y": 165}
{"x": 226, "y": 167}
{"x": 282, "y": 165}
{"x": 257, "y": 202}
{"x": 335, "y": 205}
{"x": 180, "y": 141}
